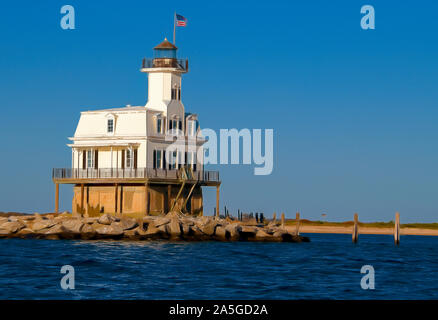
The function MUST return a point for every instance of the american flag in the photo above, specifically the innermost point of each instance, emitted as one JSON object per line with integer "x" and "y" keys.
{"x": 180, "y": 20}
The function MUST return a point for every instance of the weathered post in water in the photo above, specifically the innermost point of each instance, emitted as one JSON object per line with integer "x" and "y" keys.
{"x": 355, "y": 228}
{"x": 297, "y": 219}
{"x": 397, "y": 229}
{"x": 282, "y": 219}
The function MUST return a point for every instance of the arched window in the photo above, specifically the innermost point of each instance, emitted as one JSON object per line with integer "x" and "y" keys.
{"x": 110, "y": 124}
{"x": 159, "y": 123}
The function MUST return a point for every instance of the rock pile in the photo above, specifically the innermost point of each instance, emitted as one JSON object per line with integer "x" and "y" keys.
{"x": 173, "y": 226}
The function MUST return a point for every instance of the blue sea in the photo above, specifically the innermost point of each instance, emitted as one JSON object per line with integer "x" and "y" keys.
{"x": 326, "y": 268}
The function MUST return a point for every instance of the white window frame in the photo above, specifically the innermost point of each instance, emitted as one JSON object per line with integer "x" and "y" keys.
{"x": 159, "y": 120}
{"x": 175, "y": 93}
{"x": 129, "y": 158}
{"x": 191, "y": 159}
{"x": 110, "y": 126}
{"x": 180, "y": 156}
{"x": 90, "y": 159}
{"x": 159, "y": 158}
{"x": 173, "y": 160}
{"x": 191, "y": 127}
{"x": 110, "y": 117}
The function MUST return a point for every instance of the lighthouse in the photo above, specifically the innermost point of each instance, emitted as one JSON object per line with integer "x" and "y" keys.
{"x": 122, "y": 162}
{"x": 164, "y": 72}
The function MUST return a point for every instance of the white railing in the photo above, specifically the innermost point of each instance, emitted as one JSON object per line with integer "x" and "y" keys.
{"x": 140, "y": 173}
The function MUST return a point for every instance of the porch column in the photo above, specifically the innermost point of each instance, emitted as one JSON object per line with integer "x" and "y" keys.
{"x": 146, "y": 198}
{"x": 217, "y": 200}
{"x": 111, "y": 162}
{"x": 79, "y": 164}
{"x": 56, "y": 197}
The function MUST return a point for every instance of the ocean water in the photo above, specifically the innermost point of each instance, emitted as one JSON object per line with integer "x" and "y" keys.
{"x": 326, "y": 268}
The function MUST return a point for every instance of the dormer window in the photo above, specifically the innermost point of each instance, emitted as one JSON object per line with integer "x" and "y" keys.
{"x": 110, "y": 126}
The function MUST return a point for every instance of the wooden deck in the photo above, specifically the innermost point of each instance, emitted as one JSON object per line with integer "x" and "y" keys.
{"x": 133, "y": 176}
{"x": 142, "y": 176}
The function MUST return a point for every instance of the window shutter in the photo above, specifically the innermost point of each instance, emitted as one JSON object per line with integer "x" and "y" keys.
{"x": 155, "y": 159}
{"x": 135, "y": 158}
{"x": 164, "y": 158}
{"x": 84, "y": 159}
{"x": 96, "y": 159}
{"x": 123, "y": 159}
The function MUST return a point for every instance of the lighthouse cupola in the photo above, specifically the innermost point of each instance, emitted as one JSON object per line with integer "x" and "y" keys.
{"x": 165, "y": 50}
{"x": 164, "y": 71}
{"x": 165, "y": 57}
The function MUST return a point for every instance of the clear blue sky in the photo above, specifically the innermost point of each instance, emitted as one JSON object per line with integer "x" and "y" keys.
{"x": 354, "y": 112}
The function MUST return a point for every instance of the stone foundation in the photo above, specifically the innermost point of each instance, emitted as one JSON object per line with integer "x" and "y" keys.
{"x": 131, "y": 199}
{"x": 173, "y": 226}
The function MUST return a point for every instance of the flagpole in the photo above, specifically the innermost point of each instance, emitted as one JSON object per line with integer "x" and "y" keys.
{"x": 174, "y": 18}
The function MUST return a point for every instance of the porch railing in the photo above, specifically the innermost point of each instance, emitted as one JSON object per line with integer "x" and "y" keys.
{"x": 140, "y": 173}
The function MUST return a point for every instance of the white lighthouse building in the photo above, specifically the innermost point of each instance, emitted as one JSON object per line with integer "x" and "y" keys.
{"x": 125, "y": 160}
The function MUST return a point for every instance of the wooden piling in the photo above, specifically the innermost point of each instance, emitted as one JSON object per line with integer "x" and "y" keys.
{"x": 169, "y": 197}
{"x": 355, "y": 228}
{"x": 217, "y": 201}
{"x": 146, "y": 199}
{"x": 397, "y": 229}
{"x": 297, "y": 228}
{"x": 82, "y": 199}
{"x": 56, "y": 197}
{"x": 282, "y": 219}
